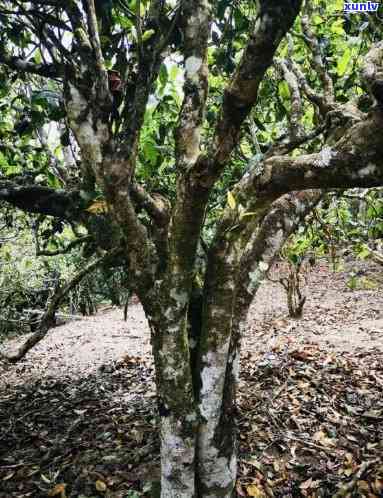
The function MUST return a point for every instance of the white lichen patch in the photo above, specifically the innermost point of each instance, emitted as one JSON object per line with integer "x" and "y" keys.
{"x": 192, "y": 417}
{"x": 215, "y": 471}
{"x": 368, "y": 170}
{"x": 255, "y": 278}
{"x": 77, "y": 104}
{"x": 192, "y": 65}
{"x": 309, "y": 174}
{"x": 192, "y": 140}
{"x": 369, "y": 70}
{"x": 180, "y": 297}
{"x": 173, "y": 444}
{"x": 168, "y": 313}
{"x": 288, "y": 222}
{"x": 274, "y": 244}
{"x": 176, "y": 453}
{"x": 236, "y": 366}
{"x": 89, "y": 133}
{"x": 102, "y": 131}
{"x": 220, "y": 474}
{"x": 324, "y": 158}
{"x": 212, "y": 379}
{"x": 263, "y": 266}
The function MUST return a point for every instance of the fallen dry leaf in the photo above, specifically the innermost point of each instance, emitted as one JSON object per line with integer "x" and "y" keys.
{"x": 59, "y": 489}
{"x": 100, "y": 486}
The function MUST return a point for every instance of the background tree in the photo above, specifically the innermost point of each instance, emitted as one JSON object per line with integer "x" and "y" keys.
{"x": 156, "y": 180}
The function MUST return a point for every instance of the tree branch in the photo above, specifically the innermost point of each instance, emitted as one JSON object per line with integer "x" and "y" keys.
{"x": 185, "y": 228}
{"x": 157, "y": 207}
{"x": 24, "y": 66}
{"x": 281, "y": 221}
{"x": 272, "y": 23}
{"x": 43, "y": 200}
{"x": 372, "y": 72}
{"x": 95, "y": 36}
{"x": 296, "y": 114}
{"x": 356, "y": 160}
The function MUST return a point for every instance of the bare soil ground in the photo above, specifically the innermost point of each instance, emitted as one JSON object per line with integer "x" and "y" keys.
{"x": 77, "y": 415}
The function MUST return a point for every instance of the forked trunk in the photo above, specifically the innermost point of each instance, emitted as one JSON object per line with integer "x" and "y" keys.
{"x": 198, "y": 440}
{"x": 196, "y": 346}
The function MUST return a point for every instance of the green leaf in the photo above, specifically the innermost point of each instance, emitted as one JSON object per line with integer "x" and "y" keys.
{"x": 124, "y": 22}
{"x": 147, "y": 35}
{"x": 37, "y": 57}
{"x": 247, "y": 214}
{"x": 337, "y": 27}
{"x": 335, "y": 5}
{"x": 13, "y": 169}
{"x": 150, "y": 152}
{"x": 174, "y": 70}
{"x": 317, "y": 19}
{"x": 284, "y": 90}
{"x": 52, "y": 180}
{"x": 343, "y": 62}
{"x": 163, "y": 74}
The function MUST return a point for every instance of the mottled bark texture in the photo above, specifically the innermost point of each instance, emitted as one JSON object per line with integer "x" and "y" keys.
{"x": 197, "y": 313}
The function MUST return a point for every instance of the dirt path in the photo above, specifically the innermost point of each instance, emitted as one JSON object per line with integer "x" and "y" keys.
{"x": 82, "y": 348}
{"x": 335, "y": 318}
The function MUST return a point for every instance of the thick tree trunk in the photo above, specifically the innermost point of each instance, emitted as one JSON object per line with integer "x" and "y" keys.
{"x": 217, "y": 462}
{"x": 217, "y": 455}
{"x": 198, "y": 449}
{"x": 175, "y": 397}
{"x": 197, "y": 391}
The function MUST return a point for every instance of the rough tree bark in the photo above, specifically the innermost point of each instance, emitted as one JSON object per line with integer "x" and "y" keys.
{"x": 196, "y": 332}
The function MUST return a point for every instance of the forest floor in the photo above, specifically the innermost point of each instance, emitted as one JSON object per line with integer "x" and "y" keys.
{"x": 78, "y": 416}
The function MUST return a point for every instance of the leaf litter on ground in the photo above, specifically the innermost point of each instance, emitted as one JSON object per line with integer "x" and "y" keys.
{"x": 310, "y": 411}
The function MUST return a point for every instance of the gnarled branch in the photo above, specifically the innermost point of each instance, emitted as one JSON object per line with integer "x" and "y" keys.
{"x": 43, "y": 200}
{"x": 272, "y": 23}
{"x": 24, "y": 66}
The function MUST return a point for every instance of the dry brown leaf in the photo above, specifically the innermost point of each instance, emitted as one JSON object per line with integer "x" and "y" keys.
{"x": 9, "y": 476}
{"x": 363, "y": 485}
{"x": 378, "y": 485}
{"x": 255, "y": 491}
{"x": 97, "y": 207}
{"x": 59, "y": 489}
{"x": 307, "y": 484}
{"x": 100, "y": 486}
